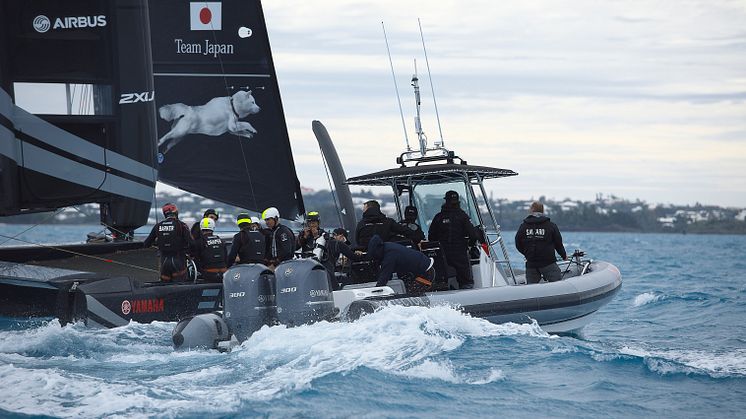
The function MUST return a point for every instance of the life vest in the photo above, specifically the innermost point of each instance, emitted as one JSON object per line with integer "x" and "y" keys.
{"x": 253, "y": 247}
{"x": 170, "y": 236}
{"x": 213, "y": 252}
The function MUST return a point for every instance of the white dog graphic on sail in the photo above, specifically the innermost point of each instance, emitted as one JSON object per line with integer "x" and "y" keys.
{"x": 216, "y": 117}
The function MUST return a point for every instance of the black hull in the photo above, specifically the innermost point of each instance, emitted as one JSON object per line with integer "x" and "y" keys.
{"x": 106, "y": 284}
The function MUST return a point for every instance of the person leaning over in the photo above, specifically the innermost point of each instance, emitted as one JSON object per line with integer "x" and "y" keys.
{"x": 210, "y": 252}
{"x": 173, "y": 240}
{"x": 249, "y": 244}
{"x": 280, "y": 239}
{"x": 537, "y": 239}
{"x": 395, "y": 258}
{"x": 375, "y": 222}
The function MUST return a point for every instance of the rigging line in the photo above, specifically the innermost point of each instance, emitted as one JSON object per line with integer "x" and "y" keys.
{"x": 331, "y": 189}
{"x": 101, "y": 222}
{"x": 398, "y": 99}
{"x": 33, "y": 226}
{"x": 240, "y": 139}
{"x": 430, "y": 77}
{"x": 129, "y": 265}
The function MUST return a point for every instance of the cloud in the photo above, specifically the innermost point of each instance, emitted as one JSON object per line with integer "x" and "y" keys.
{"x": 644, "y": 100}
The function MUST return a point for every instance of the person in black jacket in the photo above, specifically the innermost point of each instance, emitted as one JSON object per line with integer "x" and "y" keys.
{"x": 455, "y": 232}
{"x": 410, "y": 222}
{"x": 336, "y": 245}
{"x": 249, "y": 244}
{"x": 394, "y": 257}
{"x": 375, "y": 222}
{"x": 280, "y": 239}
{"x": 173, "y": 240}
{"x": 537, "y": 238}
{"x": 210, "y": 253}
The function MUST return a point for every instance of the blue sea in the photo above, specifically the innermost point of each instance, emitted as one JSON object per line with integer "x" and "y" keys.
{"x": 671, "y": 344}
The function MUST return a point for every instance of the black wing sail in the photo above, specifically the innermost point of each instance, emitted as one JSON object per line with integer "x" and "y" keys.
{"x": 221, "y": 127}
{"x": 93, "y": 144}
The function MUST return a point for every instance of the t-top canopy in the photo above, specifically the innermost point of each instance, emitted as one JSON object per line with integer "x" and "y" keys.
{"x": 434, "y": 173}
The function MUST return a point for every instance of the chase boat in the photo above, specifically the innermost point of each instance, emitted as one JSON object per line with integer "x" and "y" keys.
{"x": 298, "y": 291}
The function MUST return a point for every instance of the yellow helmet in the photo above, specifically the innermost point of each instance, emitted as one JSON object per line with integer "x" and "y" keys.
{"x": 207, "y": 223}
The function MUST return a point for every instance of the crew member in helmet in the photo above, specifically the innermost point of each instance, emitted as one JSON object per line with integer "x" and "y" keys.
{"x": 210, "y": 253}
{"x": 280, "y": 239}
{"x": 197, "y": 226}
{"x": 375, "y": 222}
{"x": 249, "y": 244}
{"x": 455, "y": 232}
{"x": 173, "y": 240}
{"x": 311, "y": 232}
{"x": 410, "y": 223}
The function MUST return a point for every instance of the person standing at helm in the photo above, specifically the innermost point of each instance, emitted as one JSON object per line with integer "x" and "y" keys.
{"x": 210, "y": 253}
{"x": 374, "y": 222}
{"x": 280, "y": 239}
{"x": 311, "y": 232}
{"x": 454, "y": 230}
{"x": 537, "y": 239}
{"x": 410, "y": 223}
{"x": 173, "y": 240}
{"x": 249, "y": 244}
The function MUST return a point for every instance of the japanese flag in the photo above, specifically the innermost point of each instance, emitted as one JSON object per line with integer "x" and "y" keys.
{"x": 205, "y": 16}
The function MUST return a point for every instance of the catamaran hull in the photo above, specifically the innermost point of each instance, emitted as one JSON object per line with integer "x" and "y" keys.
{"x": 558, "y": 307}
{"x": 104, "y": 301}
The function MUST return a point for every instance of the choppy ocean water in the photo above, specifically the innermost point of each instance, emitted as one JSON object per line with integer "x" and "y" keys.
{"x": 671, "y": 344}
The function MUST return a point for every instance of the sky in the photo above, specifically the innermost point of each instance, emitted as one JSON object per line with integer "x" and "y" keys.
{"x": 640, "y": 99}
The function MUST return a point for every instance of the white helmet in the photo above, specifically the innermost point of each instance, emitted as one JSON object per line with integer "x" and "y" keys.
{"x": 255, "y": 220}
{"x": 207, "y": 223}
{"x": 270, "y": 212}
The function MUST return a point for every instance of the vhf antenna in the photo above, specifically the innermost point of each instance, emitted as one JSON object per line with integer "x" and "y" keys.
{"x": 417, "y": 121}
{"x": 398, "y": 99}
{"x": 432, "y": 89}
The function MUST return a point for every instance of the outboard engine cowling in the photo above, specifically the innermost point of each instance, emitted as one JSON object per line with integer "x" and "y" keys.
{"x": 202, "y": 331}
{"x": 304, "y": 294}
{"x": 249, "y": 299}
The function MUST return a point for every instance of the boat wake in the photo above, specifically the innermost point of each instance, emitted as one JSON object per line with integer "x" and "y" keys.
{"x": 133, "y": 370}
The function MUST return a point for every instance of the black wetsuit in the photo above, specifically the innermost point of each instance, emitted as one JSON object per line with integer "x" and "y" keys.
{"x": 453, "y": 229}
{"x": 173, "y": 240}
{"x": 250, "y": 246}
{"x": 537, "y": 239}
{"x": 375, "y": 223}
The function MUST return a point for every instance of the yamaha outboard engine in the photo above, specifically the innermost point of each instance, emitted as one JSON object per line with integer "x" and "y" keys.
{"x": 304, "y": 294}
{"x": 249, "y": 295}
{"x": 203, "y": 331}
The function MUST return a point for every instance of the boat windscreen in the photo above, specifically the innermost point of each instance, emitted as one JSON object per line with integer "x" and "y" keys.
{"x": 428, "y": 198}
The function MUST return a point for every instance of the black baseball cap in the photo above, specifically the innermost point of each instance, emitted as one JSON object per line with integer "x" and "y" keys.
{"x": 451, "y": 196}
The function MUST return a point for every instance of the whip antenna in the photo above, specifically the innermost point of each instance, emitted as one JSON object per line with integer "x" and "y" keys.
{"x": 398, "y": 99}
{"x": 432, "y": 89}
